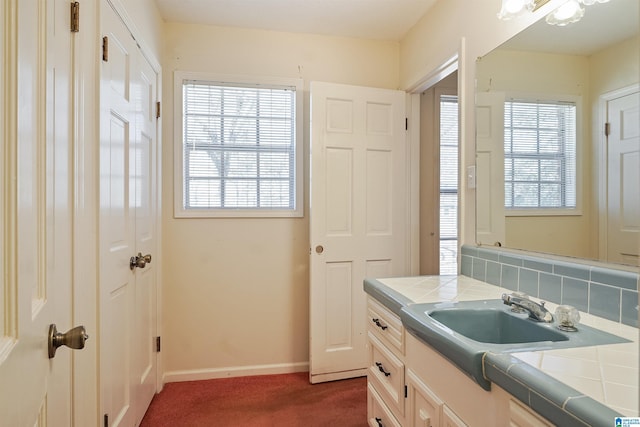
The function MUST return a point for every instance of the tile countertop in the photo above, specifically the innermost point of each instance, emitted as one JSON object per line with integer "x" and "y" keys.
{"x": 607, "y": 373}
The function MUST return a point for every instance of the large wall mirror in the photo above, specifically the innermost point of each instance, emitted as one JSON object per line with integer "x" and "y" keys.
{"x": 549, "y": 177}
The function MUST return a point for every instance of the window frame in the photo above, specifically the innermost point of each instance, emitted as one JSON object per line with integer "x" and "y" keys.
{"x": 178, "y": 164}
{"x": 580, "y": 146}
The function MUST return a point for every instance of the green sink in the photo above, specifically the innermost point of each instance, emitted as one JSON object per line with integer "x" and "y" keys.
{"x": 495, "y": 326}
{"x": 465, "y": 331}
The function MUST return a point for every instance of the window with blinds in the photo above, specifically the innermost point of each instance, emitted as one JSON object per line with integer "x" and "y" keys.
{"x": 238, "y": 147}
{"x": 448, "y": 184}
{"x": 540, "y": 155}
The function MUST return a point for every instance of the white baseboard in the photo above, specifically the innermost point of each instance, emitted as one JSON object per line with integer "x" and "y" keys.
{"x": 334, "y": 376}
{"x": 234, "y": 371}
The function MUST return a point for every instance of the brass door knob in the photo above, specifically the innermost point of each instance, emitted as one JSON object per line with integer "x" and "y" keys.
{"x": 139, "y": 261}
{"x": 73, "y": 338}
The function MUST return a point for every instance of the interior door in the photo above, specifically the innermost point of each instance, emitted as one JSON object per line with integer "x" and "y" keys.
{"x": 128, "y": 155}
{"x": 35, "y": 211}
{"x": 490, "y": 218}
{"x": 623, "y": 172}
{"x": 358, "y": 220}
{"x": 143, "y": 170}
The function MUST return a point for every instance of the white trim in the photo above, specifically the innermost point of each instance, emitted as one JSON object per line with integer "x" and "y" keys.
{"x": 333, "y": 376}
{"x": 85, "y": 213}
{"x": 434, "y": 76}
{"x": 178, "y": 210}
{"x": 600, "y": 163}
{"x": 234, "y": 371}
{"x": 413, "y": 173}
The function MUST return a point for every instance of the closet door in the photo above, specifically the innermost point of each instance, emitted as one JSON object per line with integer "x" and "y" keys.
{"x": 127, "y": 241}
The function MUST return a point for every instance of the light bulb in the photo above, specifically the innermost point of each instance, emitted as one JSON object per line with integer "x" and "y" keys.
{"x": 512, "y": 8}
{"x": 569, "y": 12}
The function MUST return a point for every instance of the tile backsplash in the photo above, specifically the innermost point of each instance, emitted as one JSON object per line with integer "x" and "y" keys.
{"x": 605, "y": 292}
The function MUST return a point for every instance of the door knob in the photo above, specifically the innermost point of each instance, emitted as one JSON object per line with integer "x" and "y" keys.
{"x": 73, "y": 338}
{"x": 139, "y": 261}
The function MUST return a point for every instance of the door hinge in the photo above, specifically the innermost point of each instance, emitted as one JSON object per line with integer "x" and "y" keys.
{"x": 157, "y": 344}
{"x": 406, "y": 123}
{"x": 106, "y": 420}
{"x": 75, "y": 17}
{"x": 158, "y": 110}
{"x": 105, "y": 49}
{"x": 607, "y": 129}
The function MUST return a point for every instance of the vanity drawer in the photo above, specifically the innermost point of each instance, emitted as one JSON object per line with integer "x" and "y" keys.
{"x": 385, "y": 324}
{"x": 377, "y": 412}
{"x": 386, "y": 373}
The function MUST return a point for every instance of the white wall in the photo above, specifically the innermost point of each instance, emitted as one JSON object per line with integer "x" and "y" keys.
{"x": 235, "y": 291}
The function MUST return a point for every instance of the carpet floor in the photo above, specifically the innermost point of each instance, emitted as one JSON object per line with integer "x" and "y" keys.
{"x": 260, "y": 401}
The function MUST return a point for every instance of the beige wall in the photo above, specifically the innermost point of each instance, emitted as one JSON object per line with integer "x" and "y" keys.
{"x": 235, "y": 291}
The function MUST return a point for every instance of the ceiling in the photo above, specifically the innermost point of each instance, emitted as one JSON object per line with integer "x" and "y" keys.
{"x": 368, "y": 19}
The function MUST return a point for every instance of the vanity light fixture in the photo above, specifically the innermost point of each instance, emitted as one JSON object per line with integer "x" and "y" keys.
{"x": 512, "y": 8}
{"x": 570, "y": 12}
{"x": 567, "y": 13}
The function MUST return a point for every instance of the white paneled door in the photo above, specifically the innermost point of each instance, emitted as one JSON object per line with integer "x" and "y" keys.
{"x": 127, "y": 241}
{"x": 623, "y": 179}
{"x": 358, "y": 219}
{"x": 490, "y": 219}
{"x": 36, "y": 185}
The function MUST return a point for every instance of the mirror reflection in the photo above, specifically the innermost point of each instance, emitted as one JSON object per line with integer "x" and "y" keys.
{"x": 557, "y": 140}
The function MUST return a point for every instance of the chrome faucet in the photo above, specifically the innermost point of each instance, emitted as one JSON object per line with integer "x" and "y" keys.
{"x": 536, "y": 311}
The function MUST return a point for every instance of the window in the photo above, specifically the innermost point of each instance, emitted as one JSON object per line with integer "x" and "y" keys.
{"x": 540, "y": 155}
{"x": 448, "y": 184}
{"x": 238, "y": 147}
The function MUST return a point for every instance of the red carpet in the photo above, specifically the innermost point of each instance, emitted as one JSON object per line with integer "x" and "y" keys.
{"x": 270, "y": 400}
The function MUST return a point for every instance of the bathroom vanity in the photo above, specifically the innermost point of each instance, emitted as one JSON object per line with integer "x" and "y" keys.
{"x": 420, "y": 378}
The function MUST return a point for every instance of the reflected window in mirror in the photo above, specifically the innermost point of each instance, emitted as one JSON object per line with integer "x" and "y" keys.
{"x": 539, "y": 155}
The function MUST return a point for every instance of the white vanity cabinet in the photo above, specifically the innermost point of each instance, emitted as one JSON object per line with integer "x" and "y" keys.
{"x": 412, "y": 385}
{"x": 386, "y": 370}
{"x": 515, "y": 413}
{"x": 424, "y": 407}
{"x": 398, "y": 396}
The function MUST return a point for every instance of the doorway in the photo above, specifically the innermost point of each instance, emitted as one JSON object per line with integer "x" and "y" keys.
{"x": 439, "y": 177}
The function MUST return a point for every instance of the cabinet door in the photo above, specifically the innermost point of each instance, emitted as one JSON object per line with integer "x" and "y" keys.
{"x": 386, "y": 372}
{"x": 520, "y": 416}
{"x": 450, "y": 419}
{"x": 424, "y": 406}
{"x": 378, "y": 413}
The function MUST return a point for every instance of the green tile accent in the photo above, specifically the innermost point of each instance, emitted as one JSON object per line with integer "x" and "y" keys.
{"x": 621, "y": 279}
{"x": 576, "y": 293}
{"x": 604, "y": 301}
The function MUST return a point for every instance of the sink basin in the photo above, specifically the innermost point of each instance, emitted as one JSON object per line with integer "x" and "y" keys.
{"x": 464, "y": 331}
{"x": 495, "y": 326}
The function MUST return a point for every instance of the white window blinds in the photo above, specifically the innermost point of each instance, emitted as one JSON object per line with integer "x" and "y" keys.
{"x": 448, "y": 184}
{"x": 540, "y": 155}
{"x": 239, "y": 146}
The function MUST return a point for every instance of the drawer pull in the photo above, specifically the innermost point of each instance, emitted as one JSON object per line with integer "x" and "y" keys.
{"x": 379, "y": 421}
{"x": 381, "y": 369}
{"x": 379, "y": 324}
